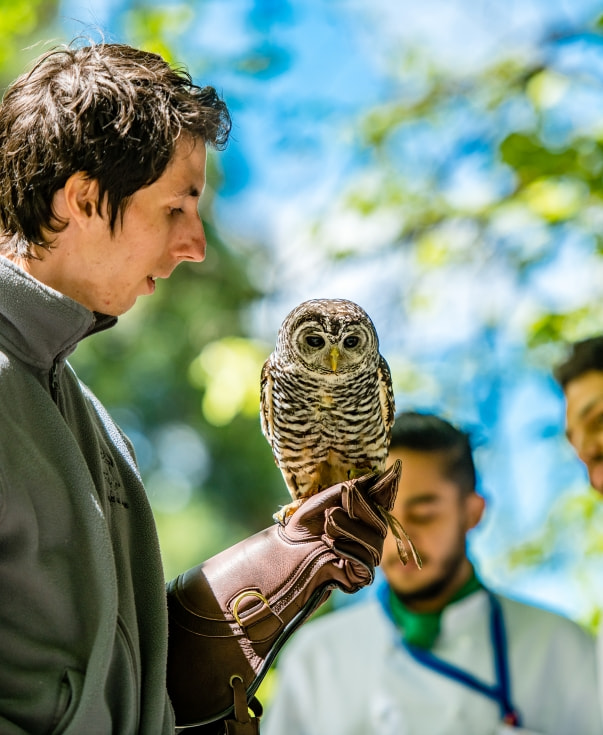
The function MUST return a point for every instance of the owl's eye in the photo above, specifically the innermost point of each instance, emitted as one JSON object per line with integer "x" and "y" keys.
{"x": 313, "y": 340}
{"x": 351, "y": 341}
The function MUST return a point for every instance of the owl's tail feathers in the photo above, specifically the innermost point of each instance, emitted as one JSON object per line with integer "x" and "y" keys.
{"x": 402, "y": 538}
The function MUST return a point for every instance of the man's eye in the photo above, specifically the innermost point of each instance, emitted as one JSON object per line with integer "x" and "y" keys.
{"x": 421, "y": 518}
{"x": 314, "y": 341}
{"x": 594, "y": 423}
{"x": 176, "y": 210}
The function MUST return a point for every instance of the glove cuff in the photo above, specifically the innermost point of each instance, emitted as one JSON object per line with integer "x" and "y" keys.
{"x": 231, "y": 616}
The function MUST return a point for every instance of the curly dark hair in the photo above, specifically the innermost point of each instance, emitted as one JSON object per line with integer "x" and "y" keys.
{"x": 109, "y": 110}
{"x": 583, "y": 357}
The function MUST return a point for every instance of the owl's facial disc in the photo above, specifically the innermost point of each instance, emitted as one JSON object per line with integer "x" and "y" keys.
{"x": 333, "y": 350}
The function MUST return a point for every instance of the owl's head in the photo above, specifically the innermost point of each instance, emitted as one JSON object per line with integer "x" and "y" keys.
{"x": 328, "y": 336}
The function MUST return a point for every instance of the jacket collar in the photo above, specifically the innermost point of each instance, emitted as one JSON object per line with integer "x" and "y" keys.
{"x": 38, "y": 324}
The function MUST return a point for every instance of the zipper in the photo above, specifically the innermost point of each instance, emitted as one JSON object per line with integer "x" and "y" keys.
{"x": 54, "y": 382}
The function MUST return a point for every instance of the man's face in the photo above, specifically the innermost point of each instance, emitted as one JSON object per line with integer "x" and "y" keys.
{"x": 106, "y": 271}
{"x": 436, "y": 516}
{"x": 584, "y": 422}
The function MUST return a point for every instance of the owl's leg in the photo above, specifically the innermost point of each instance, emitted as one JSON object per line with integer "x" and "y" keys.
{"x": 285, "y": 511}
{"x": 356, "y": 472}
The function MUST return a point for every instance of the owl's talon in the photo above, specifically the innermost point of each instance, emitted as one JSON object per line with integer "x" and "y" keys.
{"x": 286, "y": 511}
{"x": 401, "y": 537}
{"x": 357, "y": 472}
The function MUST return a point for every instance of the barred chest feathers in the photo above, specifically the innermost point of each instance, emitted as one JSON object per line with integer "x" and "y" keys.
{"x": 326, "y": 402}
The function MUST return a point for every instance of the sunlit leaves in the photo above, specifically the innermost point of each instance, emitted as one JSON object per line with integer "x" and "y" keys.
{"x": 547, "y": 88}
{"x": 156, "y": 27}
{"x": 531, "y": 159}
{"x": 556, "y": 199}
{"x": 189, "y": 537}
{"x": 18, "y": 18}
{"x": 229, "y": 372}
{"x": 23, "y": 22}
{"x": 571, "y": 529}
{"x": 568, "y": 326}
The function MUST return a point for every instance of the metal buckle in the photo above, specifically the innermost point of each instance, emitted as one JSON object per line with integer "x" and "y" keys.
{"x": 241, "y": 597}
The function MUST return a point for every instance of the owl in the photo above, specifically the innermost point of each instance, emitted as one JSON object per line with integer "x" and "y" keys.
{"x": 327, "y": 404}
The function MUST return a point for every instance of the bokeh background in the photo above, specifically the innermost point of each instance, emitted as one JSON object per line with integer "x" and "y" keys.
{"x": 441, "y": 164}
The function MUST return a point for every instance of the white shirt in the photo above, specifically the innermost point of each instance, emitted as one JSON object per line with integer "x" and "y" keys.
{"x": 347, "y": 674}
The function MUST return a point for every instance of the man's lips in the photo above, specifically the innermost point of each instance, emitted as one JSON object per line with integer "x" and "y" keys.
{"x": 152, "y": 279}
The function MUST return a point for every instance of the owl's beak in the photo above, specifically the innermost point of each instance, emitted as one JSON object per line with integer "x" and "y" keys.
{"x": 334, "y": 355}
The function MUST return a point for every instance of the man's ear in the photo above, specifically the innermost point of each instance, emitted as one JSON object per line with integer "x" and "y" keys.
{"x": 475, "y": 505}
{"x": 77, "y": 201}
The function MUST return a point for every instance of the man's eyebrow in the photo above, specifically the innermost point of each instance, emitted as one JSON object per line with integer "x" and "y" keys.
{"x": 424, "y": 499}
{"x": 587, "y": 408}
{"x": 583, "y": 412}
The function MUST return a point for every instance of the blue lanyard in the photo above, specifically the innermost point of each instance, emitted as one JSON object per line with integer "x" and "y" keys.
{"x": 499, "y": 692}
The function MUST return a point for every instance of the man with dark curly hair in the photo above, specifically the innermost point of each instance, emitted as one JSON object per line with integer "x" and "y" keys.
{"x": 102, "y": 164}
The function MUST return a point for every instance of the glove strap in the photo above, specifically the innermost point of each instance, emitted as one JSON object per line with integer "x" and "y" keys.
{"x": 243, "y": 723}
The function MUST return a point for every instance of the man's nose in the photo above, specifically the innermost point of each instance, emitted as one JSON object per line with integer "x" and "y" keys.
{"x": 194, "y": 244}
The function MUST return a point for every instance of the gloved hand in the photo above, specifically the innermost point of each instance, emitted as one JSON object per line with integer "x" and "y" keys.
{"x": 230, "y": 616}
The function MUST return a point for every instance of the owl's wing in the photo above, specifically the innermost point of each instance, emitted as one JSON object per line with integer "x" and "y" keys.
{"x": 266, "y": 401}
{"x": 386, "y": 394}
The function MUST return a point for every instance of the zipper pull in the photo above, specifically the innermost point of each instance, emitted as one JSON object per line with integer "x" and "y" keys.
{"x": 54, "y": 382}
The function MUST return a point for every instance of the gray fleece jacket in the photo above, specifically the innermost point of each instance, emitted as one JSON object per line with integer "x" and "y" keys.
{"x": 83, "y": 618}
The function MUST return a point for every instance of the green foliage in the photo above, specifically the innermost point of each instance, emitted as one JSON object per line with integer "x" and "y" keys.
{"x": 574, "y": 521}
{"x": 22, "y": 23}
{"x": 505, "y": 115}
{"x": 520, "y": 122}
{"x": 227, "y": 370}
{"x": 531, "y": 160}
{"x": 157, "y": 27}
{"x": 571, "y": 529}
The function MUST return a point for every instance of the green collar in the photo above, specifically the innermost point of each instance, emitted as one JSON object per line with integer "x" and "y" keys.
{"x": 422, "y": 629}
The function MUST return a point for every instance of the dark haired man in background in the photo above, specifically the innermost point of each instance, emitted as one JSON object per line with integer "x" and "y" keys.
{"x": 580, "y": 376}
{"x": 434, "y": 651}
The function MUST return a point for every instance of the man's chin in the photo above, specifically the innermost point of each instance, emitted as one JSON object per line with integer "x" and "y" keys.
{"x": 403, "y": 583}
{"x": 421, "y": 591}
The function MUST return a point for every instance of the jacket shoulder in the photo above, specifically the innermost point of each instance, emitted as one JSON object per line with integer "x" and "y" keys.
{"x": 362, "y": 622}
{"x": 534, "y": 619}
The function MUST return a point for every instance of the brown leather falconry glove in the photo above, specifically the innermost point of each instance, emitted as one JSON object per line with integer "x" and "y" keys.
{"x": 230, "y": 616}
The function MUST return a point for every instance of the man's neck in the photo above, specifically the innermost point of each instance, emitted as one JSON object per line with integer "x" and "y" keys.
{"x": 421, "y": 627}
